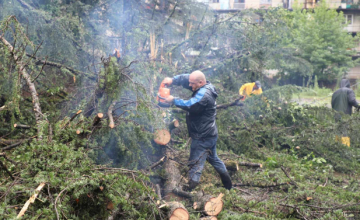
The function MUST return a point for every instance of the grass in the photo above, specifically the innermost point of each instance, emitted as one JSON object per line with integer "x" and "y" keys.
{"x": 315, "y": 97}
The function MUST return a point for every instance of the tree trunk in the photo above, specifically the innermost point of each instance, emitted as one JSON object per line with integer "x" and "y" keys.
{"x": 209, "y": 204}
{"x": 173, "y": 176}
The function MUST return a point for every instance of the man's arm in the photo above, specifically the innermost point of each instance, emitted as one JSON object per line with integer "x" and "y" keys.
{"x": 182, "y": 80}
{"x": 241, "y": 90}
{"x": 352, "y": 99}
{"x": 194, "y": 105}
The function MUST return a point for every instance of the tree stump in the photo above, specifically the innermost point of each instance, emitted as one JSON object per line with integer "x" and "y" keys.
{"x": 162, "y": 137}
{"x": 209, "y": 204}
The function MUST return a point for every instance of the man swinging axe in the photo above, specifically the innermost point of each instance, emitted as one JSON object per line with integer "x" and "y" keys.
{"x": 200, "y": 120}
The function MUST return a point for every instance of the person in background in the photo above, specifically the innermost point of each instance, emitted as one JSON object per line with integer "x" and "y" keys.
{"x": 201, "y": 123}
{"x": 343, "y": 100}
{"x": 250, "y": 89}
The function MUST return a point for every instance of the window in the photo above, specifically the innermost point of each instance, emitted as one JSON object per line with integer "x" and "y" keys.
{"x": 215, "y": 1}
{"x": 239, "y": 1}
{"x": 349, "y": 19}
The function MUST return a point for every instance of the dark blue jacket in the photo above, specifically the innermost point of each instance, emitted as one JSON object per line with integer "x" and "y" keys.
{"x": 201, "y": 108}
{"x": 343, "y": 99}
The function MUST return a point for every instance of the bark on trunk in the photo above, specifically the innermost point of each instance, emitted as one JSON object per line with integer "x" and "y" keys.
{"x": 20, "y": 126}
{"x": 173, "y": 176}
{"x": 250, "y": 164}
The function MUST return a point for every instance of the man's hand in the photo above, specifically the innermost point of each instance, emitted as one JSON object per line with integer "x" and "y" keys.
{"x": 242, "y": 97}
{"x": 169, "y": 99}
{"x": 167, "y": 81}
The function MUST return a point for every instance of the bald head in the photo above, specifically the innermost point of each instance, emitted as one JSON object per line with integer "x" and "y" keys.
{"x": 198, "y": 75}
{"x": 197, "y": 79}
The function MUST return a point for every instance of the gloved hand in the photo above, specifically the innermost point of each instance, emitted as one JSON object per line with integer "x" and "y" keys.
{"x": 242, "y": 97}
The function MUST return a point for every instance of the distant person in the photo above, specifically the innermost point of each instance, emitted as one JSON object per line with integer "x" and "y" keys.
{"x": 201, "y": 123}
{"x": 250, "y": 89}
{"x": 343, "y": 100}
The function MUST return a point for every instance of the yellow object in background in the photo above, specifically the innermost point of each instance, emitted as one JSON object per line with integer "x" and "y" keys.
{"x": 247, "y": 90}
{"x": 343, "y": 140}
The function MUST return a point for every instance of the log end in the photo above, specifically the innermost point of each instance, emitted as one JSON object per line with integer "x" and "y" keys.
{"x": 111, "y": 125}
{"x": 179, "y": 214}
{"x": 100, "y": 115}
{"x": 214, "y": 206}
{"x": 78, "y": 112}
{"x": 176, "y": 123}
{"x": 15, "y": 125}
{"x": 162, "y": 137}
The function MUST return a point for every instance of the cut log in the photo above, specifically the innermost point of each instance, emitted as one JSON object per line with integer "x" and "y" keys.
{"x": 111, "y": 118}
{"x": 209, "y": 204}
{"x": 174, "y": 124}
{"x": 72, "y": 118}
{"x": 231, "y": 165}
{"x": 79, "y": 131}
{"x": 9, "y": 141}
{"x": 209, "y": 218}
{"x": 251, "y": 164}
{"x": 22, "y": 126}
{"x": 177, "y": 211}
{"x": 162, "y": 137}
{"x": 97, "y": 119}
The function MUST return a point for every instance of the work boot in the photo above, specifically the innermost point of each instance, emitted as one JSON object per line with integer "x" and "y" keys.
{"x": 226, "y": 180}
{"x": 192, "y": 185}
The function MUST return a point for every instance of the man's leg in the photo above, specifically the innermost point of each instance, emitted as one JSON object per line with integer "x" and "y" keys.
{"x": 198, "y": 154}
{"x": 219, "y": 166}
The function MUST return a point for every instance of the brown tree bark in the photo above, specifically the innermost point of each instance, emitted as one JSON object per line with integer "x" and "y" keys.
{"x": 173, "y": 176}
